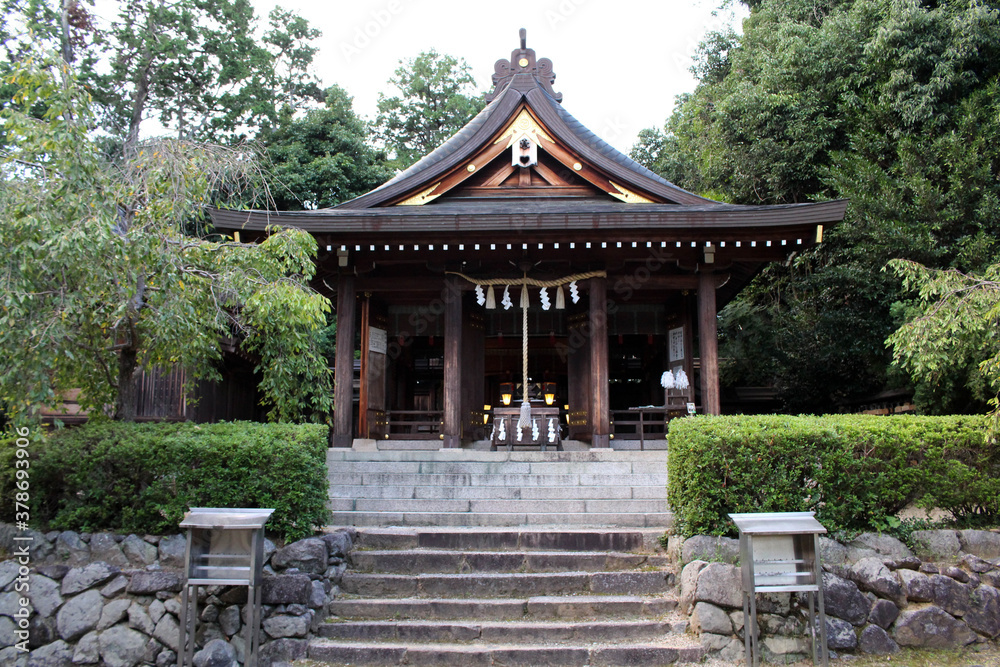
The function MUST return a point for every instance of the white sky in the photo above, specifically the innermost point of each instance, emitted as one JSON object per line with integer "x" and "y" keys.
{"x": 618, "y": 63}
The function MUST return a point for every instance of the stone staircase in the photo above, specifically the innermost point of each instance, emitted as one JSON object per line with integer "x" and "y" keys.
{"x": 460, "y": 487}
{"x": 477, "y": 596}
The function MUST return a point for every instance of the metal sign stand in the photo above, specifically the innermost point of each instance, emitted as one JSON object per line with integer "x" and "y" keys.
{"x": 779, "y": 553}
{"x": 225, "y": 547}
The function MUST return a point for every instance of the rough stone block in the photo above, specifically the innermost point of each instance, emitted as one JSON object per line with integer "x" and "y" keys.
{"x": 149, "y": 583}
{"x": 709, "y": 618}
{"x": 79, "y": 615}
{"x": 720, "y": 584}
{"x": 876, "y": 641}
{"x": 982, "y": 543}
{"x": 883, "y": 614}
{"x": 931, "y": 627}
{"x": 286, "y": 589}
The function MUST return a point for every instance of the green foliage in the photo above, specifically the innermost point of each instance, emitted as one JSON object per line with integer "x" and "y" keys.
{"x": 142, "y": 478}
{"x": 436, "y": 99}
{"x": 953, "y": 331}
{"x": 204, "y": 70}
{"x": 100, "y": 278}
{"x": 322, "y": 158}
{"x": 856, "y": 472}
{"x": 893, "y": 104}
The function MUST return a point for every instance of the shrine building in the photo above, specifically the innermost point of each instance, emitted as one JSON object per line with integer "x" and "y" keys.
{"x": 525, "y": 258}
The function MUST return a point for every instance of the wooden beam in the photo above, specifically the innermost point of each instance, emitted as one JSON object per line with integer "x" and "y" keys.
{"x": 600, "y": 396}
{"x": 452, "y": 364}
{"x": 708, "y": 343}
{"x": 343, "y": 394}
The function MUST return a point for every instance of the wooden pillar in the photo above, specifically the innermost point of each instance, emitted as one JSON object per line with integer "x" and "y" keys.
{"x": 600, "y": 401}
{"x": 452, "y": 428}
{"x": 343, "y": 393}
{"x": 473, "y": 374}
{"x": 708, "y": 343}
{"x": 364, "y": 325}
{"x": 578, "y": 377}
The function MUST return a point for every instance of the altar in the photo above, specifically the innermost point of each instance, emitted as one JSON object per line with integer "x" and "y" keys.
{"x": 544, "y": 429}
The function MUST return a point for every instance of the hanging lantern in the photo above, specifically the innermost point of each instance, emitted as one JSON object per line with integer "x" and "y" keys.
{"x": 486, "y": 413}
{"x": 491, "y": 299}
{"x": 506, "y": 392}
{"x": 560, "y": 298}
{"x": 549, "y": 390}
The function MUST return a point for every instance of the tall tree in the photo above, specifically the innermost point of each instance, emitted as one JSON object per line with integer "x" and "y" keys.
{"x": 100, "y": 279}
{"x": 890, "y": 103}
{"x": 200, "y": 70}
{"x": 322, "y": 158}
{"x": 437, "y": 97}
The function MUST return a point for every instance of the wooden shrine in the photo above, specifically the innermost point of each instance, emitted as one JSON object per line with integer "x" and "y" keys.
{"x": 526, "y": 251}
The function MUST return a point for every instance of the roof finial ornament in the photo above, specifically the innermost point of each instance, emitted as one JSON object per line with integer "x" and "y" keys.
{"x": 523, "y": 72}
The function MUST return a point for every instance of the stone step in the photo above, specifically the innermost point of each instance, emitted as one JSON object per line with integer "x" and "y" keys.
{"x": 390, "y": 478}
{"x": 438, "y": 561}
{"x": 495, "y": 468}
{"x": 464, "y": 455}
{"x": 497, "y": 632}
{"x": 569, "y": 607}
{"x": 645, "y": 506}
{"x": 494, "y": 492}
{"x": 661, "y": 520}
{"x": 449, "y": 655}
{"x": 483, "y": 539}
{"x": 505, "y": 584}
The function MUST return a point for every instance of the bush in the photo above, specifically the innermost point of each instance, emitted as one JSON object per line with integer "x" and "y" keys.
{"x": 142, "y": 478}
{"x": 855, "y": 471}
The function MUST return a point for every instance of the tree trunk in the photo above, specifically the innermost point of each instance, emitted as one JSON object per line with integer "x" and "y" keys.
{"x": 125, "y": 404}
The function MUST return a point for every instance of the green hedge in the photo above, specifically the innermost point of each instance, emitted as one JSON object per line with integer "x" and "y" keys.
{"x": 142, "y": 478}
{"x": 855, "y": 471}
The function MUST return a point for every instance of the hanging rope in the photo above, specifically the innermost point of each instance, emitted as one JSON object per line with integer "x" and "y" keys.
{"x": 531, "y": 281}
{"x": 524, "y": 420}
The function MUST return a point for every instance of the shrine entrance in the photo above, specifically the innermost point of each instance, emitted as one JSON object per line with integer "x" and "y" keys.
{"x": 526, "y": 201}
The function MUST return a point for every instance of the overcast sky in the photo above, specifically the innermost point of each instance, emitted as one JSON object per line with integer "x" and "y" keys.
{"x": 618, "y": 63}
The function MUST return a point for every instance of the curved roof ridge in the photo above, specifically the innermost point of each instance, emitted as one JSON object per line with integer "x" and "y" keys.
{"x": 450, "y": 147}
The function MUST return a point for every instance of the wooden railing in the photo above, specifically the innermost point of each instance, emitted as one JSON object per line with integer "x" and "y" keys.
{"x": 414, "y": 424}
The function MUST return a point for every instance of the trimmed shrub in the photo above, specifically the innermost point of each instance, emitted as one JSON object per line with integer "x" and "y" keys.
{"x": 142, "y": 478}
{"x": 855, "y": 471}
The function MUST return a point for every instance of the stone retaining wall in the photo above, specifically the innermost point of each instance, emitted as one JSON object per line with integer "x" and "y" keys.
{"x": 115, "y": 600}
{"x": 879, "y": 595}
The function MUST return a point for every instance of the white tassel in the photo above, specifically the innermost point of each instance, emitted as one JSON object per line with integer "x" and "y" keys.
{"x": 491, "y": 299}
{"x": 524, "y": 297}
{"x": 681, "y": 381}
{"x": 574, "y": 292}
{"x": 543, "y": 295}
{"x": 480, "y": 297}
{"x": 507, "y": 303}
{"x": 524, "y": 421}
{"x": 667, "y": 380}
{"x": 560, "y": 298}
